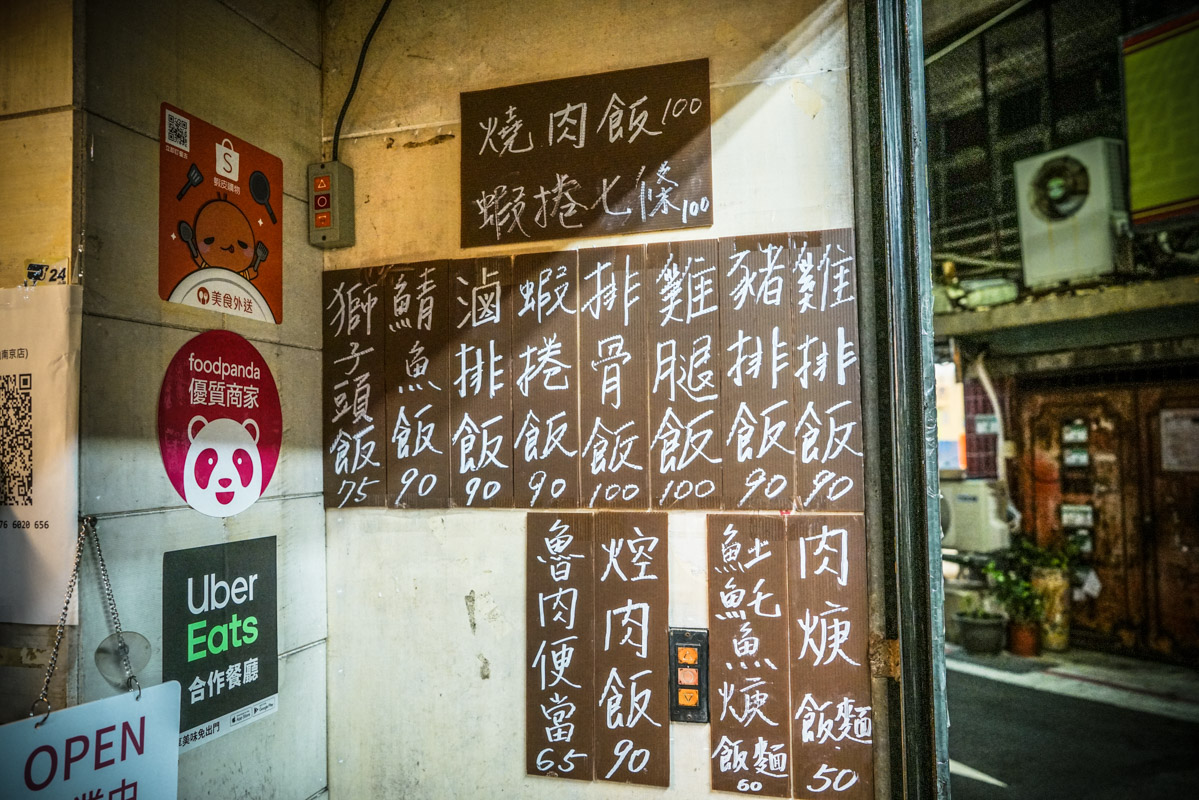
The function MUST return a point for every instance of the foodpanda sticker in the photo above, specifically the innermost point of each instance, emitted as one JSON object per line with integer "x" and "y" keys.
{"x": 219, "y": 423}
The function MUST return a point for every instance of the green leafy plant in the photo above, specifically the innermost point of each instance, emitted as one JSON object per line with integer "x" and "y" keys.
{"x": 976, "y": 606}
{"x": 1013, "y": 590}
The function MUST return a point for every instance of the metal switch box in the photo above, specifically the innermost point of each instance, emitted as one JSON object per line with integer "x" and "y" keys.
{"x": 688, "y": 675}
{"x": 330, "y": 205}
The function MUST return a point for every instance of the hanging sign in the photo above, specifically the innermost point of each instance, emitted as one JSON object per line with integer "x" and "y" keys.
{"x": 219, "y": 636}
{"x": 119, "y": 748}
{"x": 220, "y": 225}
{"x": 219, "y": 423}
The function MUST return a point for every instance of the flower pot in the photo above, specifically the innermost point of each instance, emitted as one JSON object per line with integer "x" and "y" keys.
{"x": 1054, "y": 587}
{"x": 981, "y": 635}
{"x": 1024, "y": 639}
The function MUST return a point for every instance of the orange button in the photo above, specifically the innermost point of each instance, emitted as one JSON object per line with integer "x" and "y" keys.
{"x": 689, "y": 697}
{"x": 688, "y": 676}
{"x": 688, "y": 655}
{"x": 323, "y": 219}
{"x": 321, "y": 183}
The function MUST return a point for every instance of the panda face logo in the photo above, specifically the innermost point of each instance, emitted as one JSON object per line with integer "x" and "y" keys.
{"x": 223, "y": 472}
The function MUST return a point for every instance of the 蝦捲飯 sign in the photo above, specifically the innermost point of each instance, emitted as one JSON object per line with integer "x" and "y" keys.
{"x": 219, "y": 635}
{"x": 219, "y": 423}
{"x": 220, "y": 223}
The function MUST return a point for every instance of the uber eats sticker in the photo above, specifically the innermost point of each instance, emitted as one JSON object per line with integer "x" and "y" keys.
{"x": 219, "y": 636}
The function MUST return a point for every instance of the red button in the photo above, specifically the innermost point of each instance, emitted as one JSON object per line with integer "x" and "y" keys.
{"x": 321, "y": 201}
{"x": 688, "y": 676}
{"x": 323, "y": 219}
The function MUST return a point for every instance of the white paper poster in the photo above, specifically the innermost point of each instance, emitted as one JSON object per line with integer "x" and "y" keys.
{"x": 39, "y": 446}
{"x": 1180, "y": 439}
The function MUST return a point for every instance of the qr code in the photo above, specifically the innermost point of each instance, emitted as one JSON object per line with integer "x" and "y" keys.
{"x": 179, "y": 131}
{"x": 16, "y": 440}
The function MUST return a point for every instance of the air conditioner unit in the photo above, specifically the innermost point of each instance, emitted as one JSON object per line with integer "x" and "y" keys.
{"x": 976, "y": 511}
{"x": 1072, "y": 212}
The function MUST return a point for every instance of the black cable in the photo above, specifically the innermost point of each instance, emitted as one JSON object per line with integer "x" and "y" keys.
{"x": 357, "y": 72}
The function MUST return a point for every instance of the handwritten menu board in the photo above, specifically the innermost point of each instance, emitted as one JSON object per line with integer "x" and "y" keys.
{"x": 748, "y": 668}
{"x": 711, "y": 374}
{"x": 545, "y": 410}
{"x": 831, "y": 727}
{"x": 560, "y": 683}
{"x": 416, "y": 308}
{"x": 597, "y": 599}
{"x": 353, "y": 396}
{"x": 614, "y": 366}
{"x": 789, "y": 678}
{"x": 618, "y": 152}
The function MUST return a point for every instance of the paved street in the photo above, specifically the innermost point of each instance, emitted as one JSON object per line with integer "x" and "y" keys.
{"x": 1047, "y": 744}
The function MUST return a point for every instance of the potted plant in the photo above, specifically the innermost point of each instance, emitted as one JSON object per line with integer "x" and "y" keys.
{"x": 1023, "y": 605}
{"x": 980, "y": 629}
{"x": 1048, "y": 569}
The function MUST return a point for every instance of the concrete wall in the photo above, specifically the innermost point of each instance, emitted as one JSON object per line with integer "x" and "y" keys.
{"x": 36, "y": 124}
{"x": 251, "y": 68}
{"x": 36, "y": 160}
{"x": 426, "y": 609}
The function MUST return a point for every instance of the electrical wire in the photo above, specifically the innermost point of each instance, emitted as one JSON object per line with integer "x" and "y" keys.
{"x": 357, "y": 73}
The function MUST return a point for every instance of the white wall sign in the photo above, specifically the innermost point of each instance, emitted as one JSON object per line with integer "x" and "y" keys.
{"x": 1180, "y": 439}
{"x": 39, "y": 443}
{"x": 119, "y": 748}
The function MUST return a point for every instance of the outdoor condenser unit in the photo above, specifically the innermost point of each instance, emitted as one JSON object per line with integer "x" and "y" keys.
{"x": 976, "y": 510}
{"x": 1072, "y": 212}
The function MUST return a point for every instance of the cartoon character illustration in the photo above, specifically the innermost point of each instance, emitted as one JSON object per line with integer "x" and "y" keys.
{"x": 222, "y": 475}
{"x": 221, "y": 236}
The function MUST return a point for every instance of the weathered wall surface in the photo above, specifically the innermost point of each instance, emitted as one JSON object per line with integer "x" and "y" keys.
{"x": 36, "y": 152}
{"x": 36, "y": 123}
{"x": 426, "y": 609}
{"x": 251, "y": 68}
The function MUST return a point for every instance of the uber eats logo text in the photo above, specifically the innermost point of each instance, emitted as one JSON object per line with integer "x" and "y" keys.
{"x": 220, "y": 635}
{"x": 215, "y": 594}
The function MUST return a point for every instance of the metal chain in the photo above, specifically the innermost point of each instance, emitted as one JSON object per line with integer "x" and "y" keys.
{"x": 44, "y": 697}
{"x": 87, "y": 527}
{"x": 123, "y": 649}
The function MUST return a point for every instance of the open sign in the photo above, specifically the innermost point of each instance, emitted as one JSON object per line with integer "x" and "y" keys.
{"x": 120, "y": 747}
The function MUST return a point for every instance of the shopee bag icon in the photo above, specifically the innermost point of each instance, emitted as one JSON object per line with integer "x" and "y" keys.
{"x": 227, "y": 160}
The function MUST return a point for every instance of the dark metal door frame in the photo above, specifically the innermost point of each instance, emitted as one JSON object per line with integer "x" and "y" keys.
{"x": 899, "y": 401}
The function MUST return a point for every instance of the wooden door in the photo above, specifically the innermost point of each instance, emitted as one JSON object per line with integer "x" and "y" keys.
{"x": 1079, "y": 471}
{"x": 1170, "y": 446}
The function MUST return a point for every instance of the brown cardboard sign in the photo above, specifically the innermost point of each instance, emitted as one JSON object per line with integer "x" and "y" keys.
{"x": 481, "y": 377}
{"x": 614, "y": 305}
{"x": 831, "y": 723}
{"x": 618, "y": 152}
{"x": 355, "y": 410}
{"x": 749, "y": 672}
{"x": 686, "y": 456}
{"x": 545, "y": 381}
{"x": 559, "y": 684}
{"x": 632, "y": 598}
{"x": 757, "y": 390}
{"x": 417, "y": 311}
{"x": 828, "y": 430}
{"x": 220, "y": 220}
